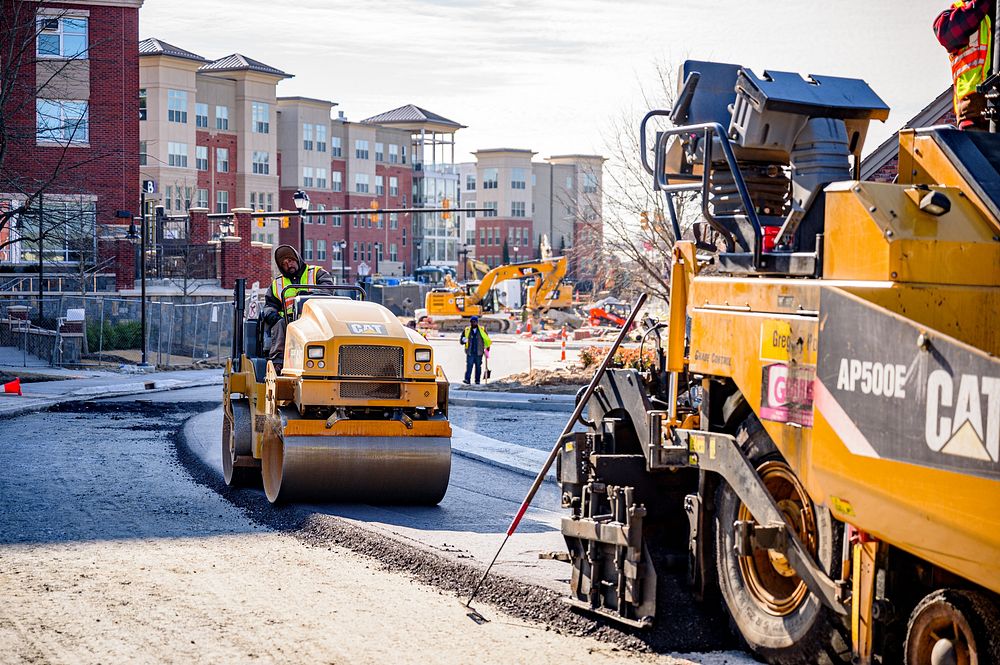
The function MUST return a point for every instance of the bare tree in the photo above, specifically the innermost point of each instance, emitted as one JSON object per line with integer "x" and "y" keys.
{"x": 629, "y": 240}
{"x": 44, "y": 56}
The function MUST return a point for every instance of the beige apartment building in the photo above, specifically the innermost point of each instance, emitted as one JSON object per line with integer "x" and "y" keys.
{"x": 558, "y": 199}
{"x": 208, "y": 132}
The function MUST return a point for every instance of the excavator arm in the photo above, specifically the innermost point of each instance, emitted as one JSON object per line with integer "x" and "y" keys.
{"x": 549, "y": 271}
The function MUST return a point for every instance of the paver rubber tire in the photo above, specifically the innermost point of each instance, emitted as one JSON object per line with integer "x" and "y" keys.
{"x": 237, "y": 438}
{"x": 805, "y": 632}
{"x": 968, "y": 621}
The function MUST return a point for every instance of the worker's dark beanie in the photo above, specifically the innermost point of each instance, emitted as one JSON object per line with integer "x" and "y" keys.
{"x": 284, "y": 252}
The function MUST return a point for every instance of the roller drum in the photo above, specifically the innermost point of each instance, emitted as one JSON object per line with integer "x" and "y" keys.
{"x": 356, "y": 469}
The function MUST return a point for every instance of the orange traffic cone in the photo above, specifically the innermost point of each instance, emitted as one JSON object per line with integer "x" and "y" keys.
{"x": 528, "y": 329}
{"x": 13, "y": 387}
{"x": 563, "y": 355}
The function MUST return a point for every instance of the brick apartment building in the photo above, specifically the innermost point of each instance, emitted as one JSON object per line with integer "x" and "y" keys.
{"x": 346, "y": 165}
{"x": 559, "y": 199}
{"x": 72, "y": 126}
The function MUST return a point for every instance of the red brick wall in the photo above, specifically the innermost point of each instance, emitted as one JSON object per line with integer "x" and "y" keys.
{"x": 109, "y": 168}
{"x": 243, "y": 258}
{"x": 200, "y": 227}
{"x": 493, "y": 254}
{"x": 211, "y": 179}
{"x": 124, "y": 253}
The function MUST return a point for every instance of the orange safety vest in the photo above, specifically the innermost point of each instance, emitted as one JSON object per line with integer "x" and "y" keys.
{"x": 307, "y": 278}
{"x": 971, "y": 65}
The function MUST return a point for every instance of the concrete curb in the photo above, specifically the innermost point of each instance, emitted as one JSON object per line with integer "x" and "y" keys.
{"x": 512, "y": 457}
{"x": 518, "y": 401}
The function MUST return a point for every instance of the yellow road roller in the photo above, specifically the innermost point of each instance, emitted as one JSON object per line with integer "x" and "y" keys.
{"x": 357, "y": 413}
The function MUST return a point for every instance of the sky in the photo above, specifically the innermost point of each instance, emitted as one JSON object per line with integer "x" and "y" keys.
{"x": 552, "y": 75}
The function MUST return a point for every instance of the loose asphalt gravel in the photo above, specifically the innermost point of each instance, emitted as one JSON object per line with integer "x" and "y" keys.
{"x": 683, "y": 625}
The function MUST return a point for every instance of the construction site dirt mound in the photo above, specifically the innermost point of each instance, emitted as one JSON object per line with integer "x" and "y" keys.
{"x": 559, "y": 381}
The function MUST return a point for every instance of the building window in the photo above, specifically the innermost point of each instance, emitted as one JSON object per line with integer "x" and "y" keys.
{"x": 337, "y": 220}
{"x": 393, "y": 153}
{"x": 338, "y": 181}
{"x": 361, "y": 183}
{"x": 393, "y": 252}
{"x": 142, "y": 153}
{"x": 307, "y": 253}
{"x": 201, "y": 115}
{"x": 490, "y": 178}
{"x": 379, "y": 185}
{"x": 321, "y": 178}
{"x": 307, "y": 136}
{"x": 62, "y": 37}
{"x": 393, "y": 220}
{"x": 518, "y": 179}
{"x": 470, "y": 205}
{"x": 321, "y": 138}
{"x": 355, "y": 247}
{"x": 201, "y": 157}
{"x": 404, "y": 236}
{"x": 321, "y": 250}
{"x": 222, "y": 201}
{"x": 482, "y": 237}
{"x": 569, "y": 182}
{"x": 307, "y": 177}
{"x": 177, "y": 101}
{"x": 222, "y": 117}
{"x": 261, "y": 161}
{"x": 143, "y": 100}
{"x": 379, "y": 152}
{"x": 361, "y": 149}
{"x": 201, "y": 197}
{"x": 320, "y": 219}
{"x": 177, "y": 154}
{"x": 393, "y": 186}
{"x": 335, "y": 147}
{"x": 517, "y": 208}
{"x": 402, "y": 152}
{"x": 470, "y": 182}
{"x": 589, "y": 183}
{"x": 62, "y": 121}
{"x": 253, "y": 201}
{"x": 490, "y": 209}
{"x": 222, "y": 160}
{"x": 261, "y": 113}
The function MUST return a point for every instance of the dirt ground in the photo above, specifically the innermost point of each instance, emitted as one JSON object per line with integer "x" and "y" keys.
{"x": 111, "y": 552}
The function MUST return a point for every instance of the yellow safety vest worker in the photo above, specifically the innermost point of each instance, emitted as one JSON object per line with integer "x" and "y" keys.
{"x": 467, "y": 335}
{"x": 971, "y": 65}
{"x": 307, "y": 278}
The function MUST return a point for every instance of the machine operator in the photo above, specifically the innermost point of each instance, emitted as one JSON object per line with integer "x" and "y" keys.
{"x": 294, "y": 271}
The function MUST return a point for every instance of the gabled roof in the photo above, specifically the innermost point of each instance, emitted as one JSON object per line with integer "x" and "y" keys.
{"x": 410, "y": 114}
{"x": 240, "y": 63}
{"x": 153, "y": 46}
{"x": 887, "y": 151}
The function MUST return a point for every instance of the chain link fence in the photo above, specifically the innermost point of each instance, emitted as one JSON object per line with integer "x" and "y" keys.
{"x": 94, "y": 331}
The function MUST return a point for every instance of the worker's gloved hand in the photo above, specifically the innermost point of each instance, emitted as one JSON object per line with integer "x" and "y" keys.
{"x": 271, "y": 318}
{"x": 487, "y": 352}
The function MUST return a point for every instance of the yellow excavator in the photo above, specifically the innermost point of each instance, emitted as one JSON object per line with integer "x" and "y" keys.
{"x": 358, "y": 412}
{"x": 819, "y": 434}
{"x": 450, "y": 308}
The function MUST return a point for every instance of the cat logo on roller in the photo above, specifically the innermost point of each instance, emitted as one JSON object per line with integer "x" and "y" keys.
{"x": 368, "y": 329}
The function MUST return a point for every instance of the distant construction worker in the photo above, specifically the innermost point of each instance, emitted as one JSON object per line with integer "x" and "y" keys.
{"x": 966, "y": 31}
{"x": 477, "y": 343}
{"x": 294, "y": 271}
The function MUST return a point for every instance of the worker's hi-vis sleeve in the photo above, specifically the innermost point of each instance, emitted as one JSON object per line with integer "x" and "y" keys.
{"x": 486, "y": 337}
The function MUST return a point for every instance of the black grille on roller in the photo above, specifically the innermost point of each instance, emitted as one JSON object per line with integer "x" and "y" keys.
{"x": 374, "y": 361}
{"x": 362, "y": 390}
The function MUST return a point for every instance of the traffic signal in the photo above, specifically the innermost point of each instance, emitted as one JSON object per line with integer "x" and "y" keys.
{"x": 445, "y": 203}
{"x": 284, "y": 222}
{"x": 374, "y": 215}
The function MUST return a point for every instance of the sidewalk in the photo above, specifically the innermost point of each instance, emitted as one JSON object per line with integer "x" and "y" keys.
{"x": 41, "y": 395}
{"x": 490, "y": 399}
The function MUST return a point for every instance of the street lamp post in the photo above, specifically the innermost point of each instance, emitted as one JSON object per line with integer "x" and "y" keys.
{"x": 301, "y": 200}
{"x": 141, "y": 239}
{"x": 464, "y": 253}
{"x": 514, "y": 249}
{"x": 378, "y": 251}
{"x": 342, "y": 244}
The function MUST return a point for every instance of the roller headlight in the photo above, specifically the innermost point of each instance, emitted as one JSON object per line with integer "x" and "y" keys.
{"x": 416, "y": 366}
{"x": 314, "y": 352}
{"x": 422, "y": 355}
